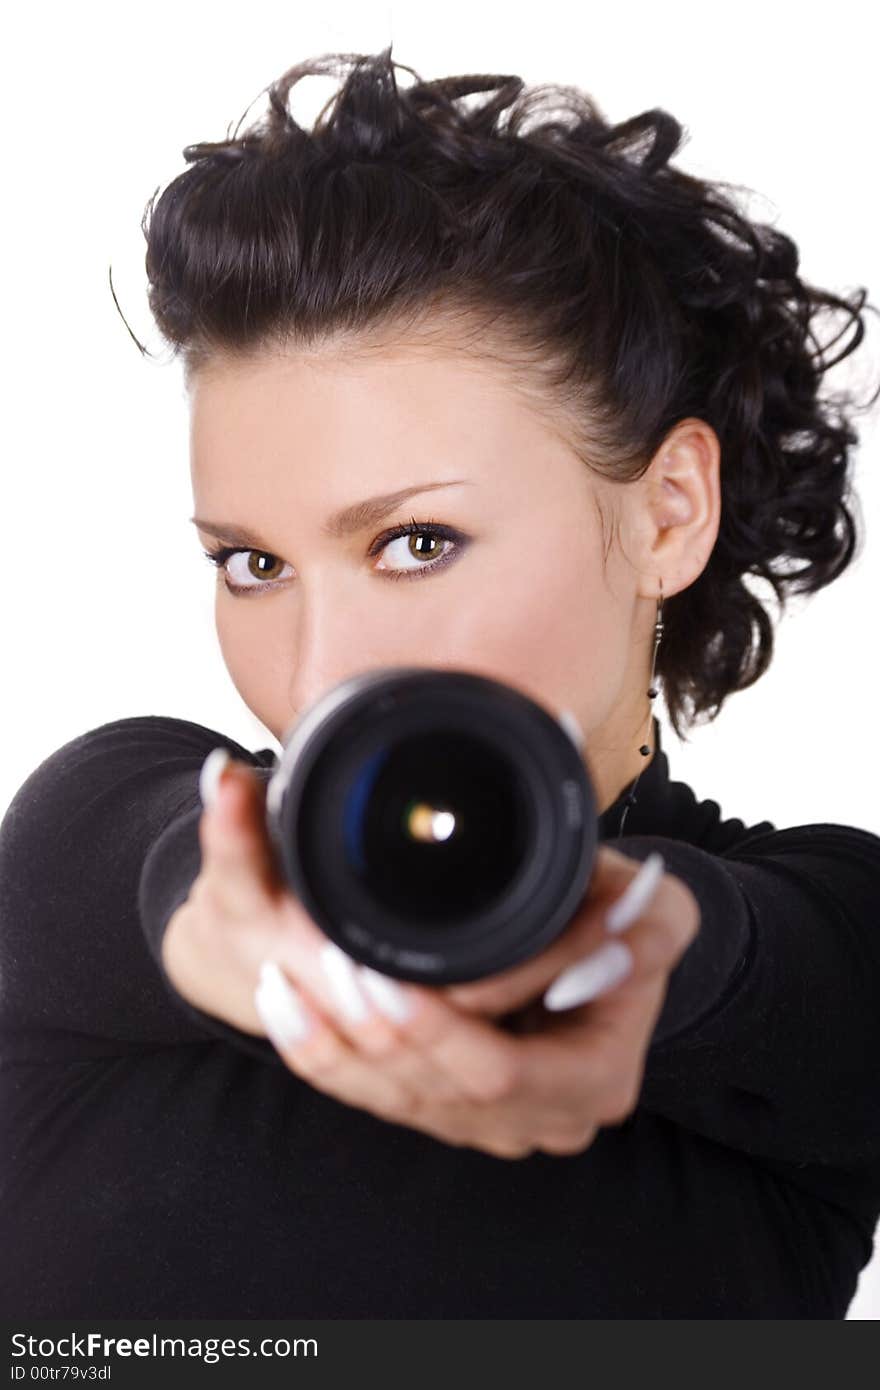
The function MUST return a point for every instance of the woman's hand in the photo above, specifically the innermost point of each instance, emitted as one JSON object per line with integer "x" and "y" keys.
{"x": 655, "y": 918}
{"x": 423, "y": 1057}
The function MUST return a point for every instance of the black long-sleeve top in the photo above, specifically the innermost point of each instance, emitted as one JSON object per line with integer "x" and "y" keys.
{"x": 157, "y": 1162}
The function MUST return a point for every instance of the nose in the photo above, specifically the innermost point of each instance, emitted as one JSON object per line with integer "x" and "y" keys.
{"x": 340, "y": 634}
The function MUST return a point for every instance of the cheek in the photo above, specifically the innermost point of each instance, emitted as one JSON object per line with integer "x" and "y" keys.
{"x": 254, "y": 659}
{"x": 552, "y": 625}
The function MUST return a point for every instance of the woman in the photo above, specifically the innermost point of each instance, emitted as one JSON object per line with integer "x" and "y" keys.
{"x": 568, "y": 390}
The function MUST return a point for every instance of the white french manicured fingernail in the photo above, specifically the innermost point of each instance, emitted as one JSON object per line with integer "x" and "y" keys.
{"x": 342, "y": 976}
{"x": 570, "y": 723}
{"x": 637, "y": 894}
{"x": 279, "y": 1006}
{"x": 210, "y": 774}
{"x": 590, "y": 977}
{"x": 388, "y": 997}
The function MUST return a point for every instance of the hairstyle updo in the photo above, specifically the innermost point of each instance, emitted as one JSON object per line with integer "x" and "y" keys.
{"x": 620, "y": 294}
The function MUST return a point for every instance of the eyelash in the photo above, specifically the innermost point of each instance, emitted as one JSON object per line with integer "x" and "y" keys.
{"x": 219, "y": 556}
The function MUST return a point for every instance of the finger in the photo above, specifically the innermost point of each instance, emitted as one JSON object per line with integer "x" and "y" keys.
{"x": 480, "y": 1059}
{"x": 657, "y": 918}
{"x": 651, "y": 889}
{"x": 233, "y": 835}
{"x": 587, "y": 1064}
{"x": 310, "y": 1045}
{"x": 367, "y": 1008}
{"x": 657, "y": 912}
{"x": 509, "y": 989}
{"x": 312, "y": 1048}
{"x": 663, "y": 931}
{"x": 631, "y": 890}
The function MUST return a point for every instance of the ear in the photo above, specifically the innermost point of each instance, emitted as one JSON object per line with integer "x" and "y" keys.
{"x": 679, "y": 508}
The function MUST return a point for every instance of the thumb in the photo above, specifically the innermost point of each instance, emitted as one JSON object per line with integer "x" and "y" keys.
{"x": 232, "y": 831}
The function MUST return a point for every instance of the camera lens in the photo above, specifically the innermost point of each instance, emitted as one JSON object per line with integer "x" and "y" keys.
{"x": 436, "y": 825}
{"x": 439, "y": 825}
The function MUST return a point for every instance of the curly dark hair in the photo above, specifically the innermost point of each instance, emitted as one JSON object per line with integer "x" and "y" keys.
{"x": 621, "y": 295}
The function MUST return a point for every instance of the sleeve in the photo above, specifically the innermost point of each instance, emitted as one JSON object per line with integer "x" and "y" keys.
{"x": 97, "y": 848}
{"x": 769, "y": 1036}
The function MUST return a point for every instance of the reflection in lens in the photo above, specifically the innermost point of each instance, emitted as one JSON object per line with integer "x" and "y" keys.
{"x": 355, "y": 808}
{"x": 436, "y": 826}
{"x": 427, "y": 823}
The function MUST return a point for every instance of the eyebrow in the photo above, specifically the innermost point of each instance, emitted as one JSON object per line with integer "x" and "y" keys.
{"x": 347, "y": 522}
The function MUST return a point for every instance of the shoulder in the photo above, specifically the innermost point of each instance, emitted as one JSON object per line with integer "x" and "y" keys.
{"x": 106, "y": 769}
{"x": 139, "y": 738}
{"x": 76, "y": 963}
{"x": 824, "y": 839}
{"x": 834, "y": 864}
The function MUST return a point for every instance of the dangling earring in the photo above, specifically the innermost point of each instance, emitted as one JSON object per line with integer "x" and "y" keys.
{"x": 652, "y": 695}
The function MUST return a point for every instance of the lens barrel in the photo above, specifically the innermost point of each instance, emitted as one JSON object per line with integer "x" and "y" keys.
{"x": 438, "y": 825}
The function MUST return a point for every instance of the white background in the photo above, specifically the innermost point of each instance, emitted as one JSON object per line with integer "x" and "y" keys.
{"x": 107, "y": 601}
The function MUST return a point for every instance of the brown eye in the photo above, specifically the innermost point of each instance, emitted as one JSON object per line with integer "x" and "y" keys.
{"x": 426, "y": 547}
{"x": 261, "y": 565}
{"x": 248, "y": 572}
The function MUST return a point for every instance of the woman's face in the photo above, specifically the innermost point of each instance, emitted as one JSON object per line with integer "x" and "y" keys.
{"x": 513, "y": 587}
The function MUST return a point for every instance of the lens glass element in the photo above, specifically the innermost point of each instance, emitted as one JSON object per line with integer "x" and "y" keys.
{"x": 436, "y": 825}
